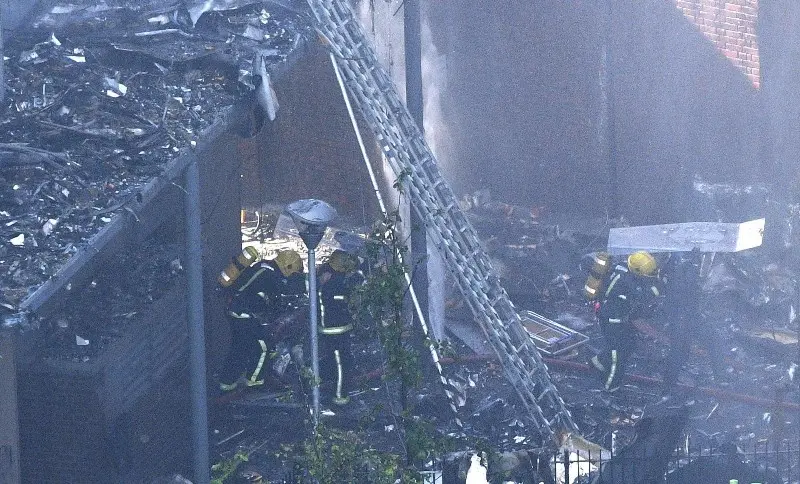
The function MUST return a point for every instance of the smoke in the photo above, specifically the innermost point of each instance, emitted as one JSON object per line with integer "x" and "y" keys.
{"x": 434, "y": 83}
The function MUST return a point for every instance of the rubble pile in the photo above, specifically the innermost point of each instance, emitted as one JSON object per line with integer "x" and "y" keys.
{"x": 541, "y": 258}
{"x": 100, "y": 97}
{"x": 749, "y": 300}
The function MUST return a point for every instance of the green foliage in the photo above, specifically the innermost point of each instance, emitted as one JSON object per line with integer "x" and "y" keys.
{"x": 381, "y": 300}
{"x": 423, "y": 442}
{"x": 223, "y": 470}
{"x": 337, "y": 456}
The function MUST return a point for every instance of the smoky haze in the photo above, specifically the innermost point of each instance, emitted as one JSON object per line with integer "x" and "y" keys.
{"x": 520, "y": 96}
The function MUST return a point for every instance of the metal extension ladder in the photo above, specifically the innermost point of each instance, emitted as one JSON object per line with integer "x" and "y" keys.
{"x": 410, "y": 157}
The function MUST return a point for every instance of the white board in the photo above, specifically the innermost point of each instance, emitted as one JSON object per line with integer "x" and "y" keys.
{"x": 706, "y": 236}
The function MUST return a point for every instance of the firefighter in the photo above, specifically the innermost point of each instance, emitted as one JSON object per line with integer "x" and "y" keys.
{"x": 631, "y": 291}
{"x": 683, "y": 315}
{"x": 257, "y": 297}
{"x": 338, "y": 278}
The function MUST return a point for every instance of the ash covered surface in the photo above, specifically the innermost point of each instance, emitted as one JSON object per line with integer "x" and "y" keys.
{"x": 100, "y": 98}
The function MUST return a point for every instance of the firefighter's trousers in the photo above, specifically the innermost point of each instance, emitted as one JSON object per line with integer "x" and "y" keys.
{"x": 249, "y": 354}
{"x": 619, "y": 345}
{"x": 336, "y": 363}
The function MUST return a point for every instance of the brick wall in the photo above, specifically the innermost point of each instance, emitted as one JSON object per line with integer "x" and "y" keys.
{"x": 731, "y": 26}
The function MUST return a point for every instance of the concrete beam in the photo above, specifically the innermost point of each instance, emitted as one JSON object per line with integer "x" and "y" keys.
{"x": 9, "y": 424}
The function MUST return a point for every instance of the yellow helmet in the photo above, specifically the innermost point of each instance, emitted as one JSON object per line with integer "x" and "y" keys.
{"x": 289, "y": 262}
{"x": 642, "y": 263}
{"x": 341, "y": 261}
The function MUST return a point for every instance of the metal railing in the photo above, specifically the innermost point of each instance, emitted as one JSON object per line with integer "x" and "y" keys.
{"x": 696, "y": 461}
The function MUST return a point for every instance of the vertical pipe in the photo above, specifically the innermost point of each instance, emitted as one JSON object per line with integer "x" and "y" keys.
{"x": 606, "y": 128}
{"x": 197, "y": 340}
{"x": 2, "y": 62}
{"x": 9, "y": 409}
{"x": 312, "y": 300}
{"x": 414, "y": 102}
{"x": 413, "y": 56}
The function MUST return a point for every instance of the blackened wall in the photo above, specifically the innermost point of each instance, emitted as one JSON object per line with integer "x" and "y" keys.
{"x": 310, "y": 150}
{"x": 521, "y": 101}
{"x": 681, "y": 108}
{"x": 779, "y": 46}
{"x": 14, "y": 11}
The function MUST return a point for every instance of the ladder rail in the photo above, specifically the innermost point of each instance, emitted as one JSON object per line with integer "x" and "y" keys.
{"x": 410, "y": 158}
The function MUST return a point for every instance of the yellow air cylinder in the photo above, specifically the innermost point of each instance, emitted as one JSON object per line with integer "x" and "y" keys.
{"x": 248, "y": 257}
{"x": 592, "y": 287}
{"x": 597, "y": 273}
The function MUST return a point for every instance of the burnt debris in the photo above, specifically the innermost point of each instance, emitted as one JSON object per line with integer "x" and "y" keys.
{"x": 100, "y": 98}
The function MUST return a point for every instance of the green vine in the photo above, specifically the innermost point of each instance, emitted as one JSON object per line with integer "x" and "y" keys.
{"x": 335, "y": 456}
{"x": 223, "y": 470}
{"x": 380, "y": 304}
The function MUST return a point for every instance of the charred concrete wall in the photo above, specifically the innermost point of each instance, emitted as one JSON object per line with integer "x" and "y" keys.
{"x": 13, "y": 12}
{"x": 681, "y": 108}
{"x": 123, "y": 415}
{"x": 310, "y": 150}
{"x": 779, "y": 46}
{"x": 521, "y": 100}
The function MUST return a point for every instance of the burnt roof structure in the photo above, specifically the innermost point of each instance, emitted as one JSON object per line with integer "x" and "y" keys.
{"x": 102, "y": 101}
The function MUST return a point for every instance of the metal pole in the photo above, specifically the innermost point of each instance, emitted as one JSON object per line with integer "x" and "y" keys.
{"x": 414, "y": 101}
{"x": 197, "y": 339}
{"x": 312, "y": 299}
{"x": 9, "y": 409}
{"x": 606, "y": 127}
{"x": 2, "y": 63}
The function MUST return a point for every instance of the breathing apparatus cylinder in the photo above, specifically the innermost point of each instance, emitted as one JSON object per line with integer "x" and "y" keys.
{"x": 601, "y": 263}
{"x": 248, "y": 257}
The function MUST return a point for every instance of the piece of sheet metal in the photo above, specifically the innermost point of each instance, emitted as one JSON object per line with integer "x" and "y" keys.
{"x": 706, "y": 236}
{"x": 551, "y": 338}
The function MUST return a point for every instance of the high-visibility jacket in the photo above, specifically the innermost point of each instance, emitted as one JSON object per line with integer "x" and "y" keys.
{"x": 335, "y": 316}
{"x": 261, "y": 290}
{"x": 627, "y": 295}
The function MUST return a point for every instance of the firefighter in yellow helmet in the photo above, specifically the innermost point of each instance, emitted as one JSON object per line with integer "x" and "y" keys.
{"x": 631, "y": 291}
{"x": 256, "y": 297}
{"x": 338, "y": 278}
